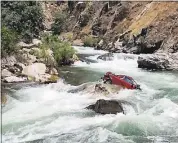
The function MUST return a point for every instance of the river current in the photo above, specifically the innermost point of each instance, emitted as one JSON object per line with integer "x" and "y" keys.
{"x": 51, "y": 114}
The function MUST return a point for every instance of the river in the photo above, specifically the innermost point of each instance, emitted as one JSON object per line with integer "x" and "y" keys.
{"x": 50, "y": 114}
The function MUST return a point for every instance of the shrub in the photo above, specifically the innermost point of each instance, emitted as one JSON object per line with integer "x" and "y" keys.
{"x": 90, "y": 41}
{"x": 62, "y": 51}
{"x": 24, "y": 17}
{"x": 59, "y": 23}
{"x": 9, "y": 40}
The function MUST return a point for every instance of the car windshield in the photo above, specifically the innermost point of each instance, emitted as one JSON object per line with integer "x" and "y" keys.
{"x": 128, "y": 80}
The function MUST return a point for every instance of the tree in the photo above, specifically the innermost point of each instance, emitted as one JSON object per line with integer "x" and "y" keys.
{"x": 26, "y": 18}
{"x": 59, "y": 23}
{"x": 9, "y": 39}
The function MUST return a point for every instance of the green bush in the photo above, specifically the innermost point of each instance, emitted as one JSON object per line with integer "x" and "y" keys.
{"x": 24, "y": 17}
{"x": 9, "y": 40}
{"x": 90, "y": 41}
{"x": 59, "y": 23}
{"x": 62, "y": 51}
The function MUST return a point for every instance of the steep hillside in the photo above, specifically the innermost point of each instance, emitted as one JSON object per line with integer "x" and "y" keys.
{"x": 140, "y": 27}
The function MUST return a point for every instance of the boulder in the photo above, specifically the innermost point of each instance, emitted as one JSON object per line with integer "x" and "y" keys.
{"x": 8, "y": 61}
{"x": 14, "y": 79}
{"x": 5, "y": 73}
{"x": 19, "y": 66}
{"x": 106, "y": 57}
{"x": 25, "y": 45}
{"x": 152, "y": 62}
{"x": 106, "y": 107}
{"x": 97, "y": 88}
{"x": 14, "y": 70}
{"x": 34, "y": 70}
{"x": 100, "y": 88}
{"x": 36, "y": 42}
{"x": 159, "y": 61}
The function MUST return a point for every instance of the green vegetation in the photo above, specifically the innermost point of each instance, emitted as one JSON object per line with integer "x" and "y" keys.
{"x": 23, "y": 17}
{"x": 62, "y": 51}
{"x": 59, "y": 23}
{"x": 9, "y": 39}
{"x": 53, "y": 78}
{"x": 90, "y": 41}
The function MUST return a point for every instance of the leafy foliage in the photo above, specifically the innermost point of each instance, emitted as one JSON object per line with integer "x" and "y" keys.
{"x": 24, "y": 17}
{"x": 59, "y": 23}
{"x": 90, "y": 41}
{"x": 9, "y": 39}
{"x": 62, "y": 51}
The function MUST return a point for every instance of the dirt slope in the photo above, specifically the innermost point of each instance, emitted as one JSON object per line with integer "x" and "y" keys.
{"x": 120, "y": 21}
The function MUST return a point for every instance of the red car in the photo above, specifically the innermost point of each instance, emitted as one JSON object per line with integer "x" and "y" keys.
{"x": 122, "y": 80}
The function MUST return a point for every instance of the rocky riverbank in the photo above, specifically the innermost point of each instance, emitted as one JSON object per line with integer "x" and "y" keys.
{"x": 124, "y": 27}
{"x": 27, "y": 66}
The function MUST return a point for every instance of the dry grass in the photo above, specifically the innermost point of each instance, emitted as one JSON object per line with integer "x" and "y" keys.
{"x": 86, "y": 30}
{"x": 155, "y": 10}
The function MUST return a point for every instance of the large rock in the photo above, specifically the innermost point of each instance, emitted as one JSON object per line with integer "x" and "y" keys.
{"x": 159, "y": 61}
{"x": 8, "y": 61}
{"x": 106, "y": 107}
{"x": 14, "y": 79}
{"x": 14, "y": 70}
{"x": 19, "y": 66}
{"x": 97, "y": 89}
{"x": 25, "y": 45}
{"x": 5, "y": 73}
{"x": 34, "y": 70}
{"x": 35, "y": 42}
{"x": 101, "y": 89}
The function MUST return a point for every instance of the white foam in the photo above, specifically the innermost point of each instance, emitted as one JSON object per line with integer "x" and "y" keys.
{"x": 50, "y": 110}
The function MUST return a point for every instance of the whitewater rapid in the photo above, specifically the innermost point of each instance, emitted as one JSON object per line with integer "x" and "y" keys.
{"x": 49, "y": 113}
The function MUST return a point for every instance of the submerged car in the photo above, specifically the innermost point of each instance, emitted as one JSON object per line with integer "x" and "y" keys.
{"x": 121, "y": 80}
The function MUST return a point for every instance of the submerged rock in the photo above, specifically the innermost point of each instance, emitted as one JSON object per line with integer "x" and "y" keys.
{"x": 101, "y": 89}
{"x": 106, "y": 57}
{"x": 96, "y": 88}
{"x": 106, "y": 107}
